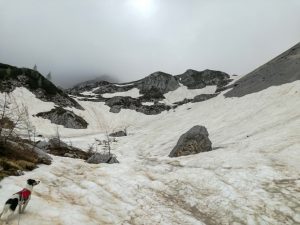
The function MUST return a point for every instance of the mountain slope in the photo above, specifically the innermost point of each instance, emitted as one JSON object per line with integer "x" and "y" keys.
{"x": 254, "y": 168}
{"x": 252, "y": 176}
{"x": 285, "y": 68}
{"x": 12, "y": 77}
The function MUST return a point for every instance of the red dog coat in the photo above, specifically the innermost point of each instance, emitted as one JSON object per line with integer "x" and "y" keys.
{"x": 24, "y": 194}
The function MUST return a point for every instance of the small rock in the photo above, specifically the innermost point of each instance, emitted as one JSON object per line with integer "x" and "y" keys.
{"x": 120, "y": 133}
{"x": 19, "y": 173}
{"x": 102, "y": 158}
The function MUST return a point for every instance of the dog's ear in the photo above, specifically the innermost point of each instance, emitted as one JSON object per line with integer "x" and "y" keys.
{"x": 30, "y": 182}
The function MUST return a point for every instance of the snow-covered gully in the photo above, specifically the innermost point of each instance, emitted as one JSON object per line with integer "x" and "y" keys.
{"x": 251, "y": 177}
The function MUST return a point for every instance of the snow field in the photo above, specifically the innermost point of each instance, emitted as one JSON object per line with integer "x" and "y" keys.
{"x": 251, "y": 177}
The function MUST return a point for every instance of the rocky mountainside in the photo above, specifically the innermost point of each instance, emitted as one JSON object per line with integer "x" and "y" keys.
{"x": 160, "y": 81}
{"x": 283, "y": 69}
{"x": 151, "y": 89}
{"x": 12, "y": 77}
{"x": 231, "y": 160}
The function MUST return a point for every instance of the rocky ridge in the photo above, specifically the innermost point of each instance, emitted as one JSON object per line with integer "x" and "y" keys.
{"x": 152, "y": 88}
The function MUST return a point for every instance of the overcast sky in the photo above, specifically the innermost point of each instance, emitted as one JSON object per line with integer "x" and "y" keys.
{"x": 81, "y": 39}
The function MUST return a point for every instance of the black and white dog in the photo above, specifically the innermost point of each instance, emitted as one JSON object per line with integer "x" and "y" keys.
{"x": 20, "y": 199}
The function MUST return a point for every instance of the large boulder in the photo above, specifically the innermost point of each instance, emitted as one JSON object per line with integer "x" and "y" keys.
{"x": 192, "y": 142}
{"x": 64, "y": 117}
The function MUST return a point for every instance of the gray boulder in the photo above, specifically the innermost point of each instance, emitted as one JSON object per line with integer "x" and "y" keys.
{"x": 64, "y": 117}
{"x": 192, "y": 142}
{"x": 102, "y": 158}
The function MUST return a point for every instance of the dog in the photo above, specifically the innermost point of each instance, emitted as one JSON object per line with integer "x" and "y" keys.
{"x": 20, "y": 199}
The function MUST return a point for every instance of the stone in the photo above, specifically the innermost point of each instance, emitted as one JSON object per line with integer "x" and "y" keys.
{"x": 192, "y": 142}
{"x": 120, "y": 133}
{"x": 102, "y": 158}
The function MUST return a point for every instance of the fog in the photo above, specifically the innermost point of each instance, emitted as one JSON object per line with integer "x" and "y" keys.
{"x": 126, "y": 40}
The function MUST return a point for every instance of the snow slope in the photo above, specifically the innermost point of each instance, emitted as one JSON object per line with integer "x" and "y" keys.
{"x": 251, "y": 177}
{"x": 183, "y": 92}
{"x": 134, "y": 93}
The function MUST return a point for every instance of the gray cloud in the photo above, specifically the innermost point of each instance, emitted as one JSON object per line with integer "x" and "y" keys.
{"x": 80, "y": 39}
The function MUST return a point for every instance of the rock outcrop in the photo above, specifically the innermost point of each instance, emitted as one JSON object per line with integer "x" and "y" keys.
{"x": 153, "y": 109}
{"x": 66, "y": 118}
{"x": 203, "y": 97}
{"x": 162, "y": 82}
{"x": 152, "y": 88}
{"x": 199, "y": 79}
{"x": 119, "y": 102}
{"x": 192, "y": 142}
